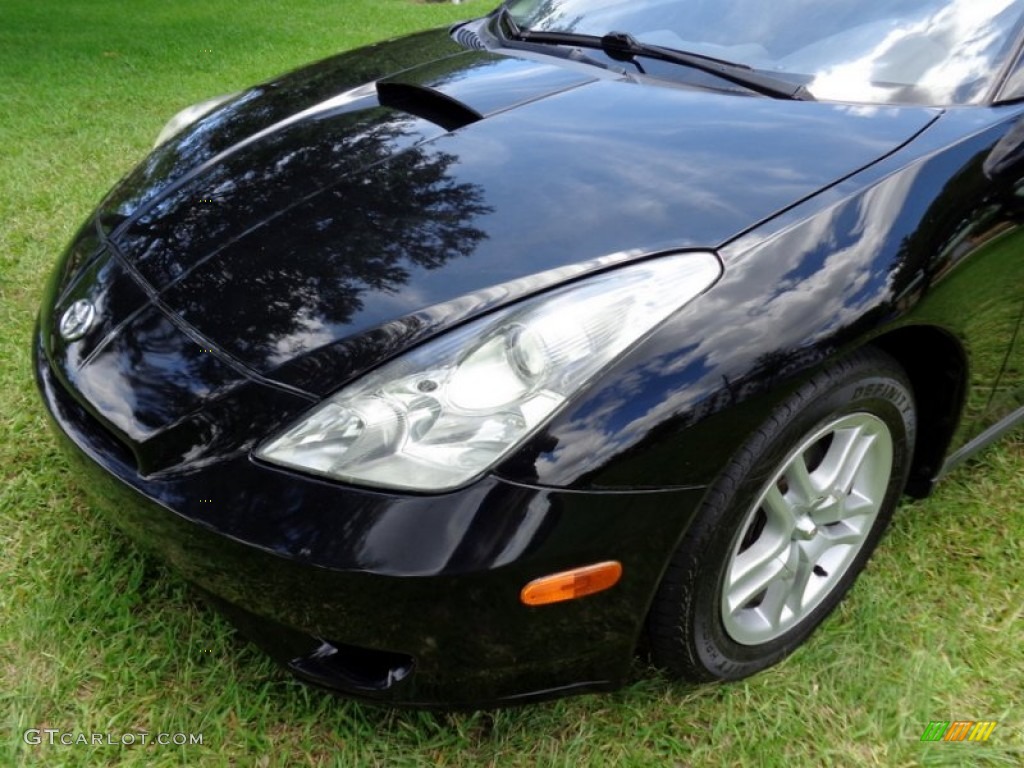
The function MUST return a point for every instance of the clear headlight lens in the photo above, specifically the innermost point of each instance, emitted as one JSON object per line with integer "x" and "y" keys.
{"x": 441, "y": 415}
{"x": 189, "y": 115}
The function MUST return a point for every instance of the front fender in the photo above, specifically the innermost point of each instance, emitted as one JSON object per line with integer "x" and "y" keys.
{"x": 914, "y": 245}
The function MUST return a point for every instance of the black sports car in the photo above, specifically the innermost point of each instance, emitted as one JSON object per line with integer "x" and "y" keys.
{"x": 459, "y": 367}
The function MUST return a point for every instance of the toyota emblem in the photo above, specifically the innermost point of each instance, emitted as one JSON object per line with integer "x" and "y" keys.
{"x": 78, "y": 320}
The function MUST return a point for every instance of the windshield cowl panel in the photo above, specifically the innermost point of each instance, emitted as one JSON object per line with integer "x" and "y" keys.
{"x": 933, "y": 52}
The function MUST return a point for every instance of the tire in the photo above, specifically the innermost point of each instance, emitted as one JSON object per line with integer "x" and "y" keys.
{"x": 774, "y": 549}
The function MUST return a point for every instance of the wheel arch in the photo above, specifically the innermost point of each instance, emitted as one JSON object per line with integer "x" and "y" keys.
{"x": 938, "y": 368}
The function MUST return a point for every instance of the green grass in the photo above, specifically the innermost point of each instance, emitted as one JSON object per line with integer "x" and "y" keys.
{"x": 96, "y": 638}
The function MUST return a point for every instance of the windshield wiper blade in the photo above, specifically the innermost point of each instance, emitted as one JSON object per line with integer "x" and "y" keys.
{"x": 511, "y": 32}
{"x": 622, "y": 46}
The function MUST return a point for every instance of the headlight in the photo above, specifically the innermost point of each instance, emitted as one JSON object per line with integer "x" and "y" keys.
{"x": 441, "y": 415}
{"x": 189, "y": 115}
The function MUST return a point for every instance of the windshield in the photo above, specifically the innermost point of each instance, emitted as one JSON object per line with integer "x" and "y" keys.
{"x": 867, "y": 51}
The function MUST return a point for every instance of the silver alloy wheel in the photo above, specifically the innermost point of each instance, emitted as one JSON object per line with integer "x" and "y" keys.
{"x": 806, "y": 528}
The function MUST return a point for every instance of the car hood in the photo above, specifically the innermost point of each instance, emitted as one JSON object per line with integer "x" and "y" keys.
{"x": 327, "y": 220}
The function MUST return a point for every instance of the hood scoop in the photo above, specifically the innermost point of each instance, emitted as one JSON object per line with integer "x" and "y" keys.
{"x": 427, "y": 104}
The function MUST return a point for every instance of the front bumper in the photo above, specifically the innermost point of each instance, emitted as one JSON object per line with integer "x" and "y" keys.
{"x": 394, "y": 598}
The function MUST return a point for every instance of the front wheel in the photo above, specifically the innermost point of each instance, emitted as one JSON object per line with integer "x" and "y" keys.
{"x": 788, "y": 525}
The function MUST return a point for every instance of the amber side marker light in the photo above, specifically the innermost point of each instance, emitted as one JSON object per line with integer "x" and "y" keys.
{"x": 569, "y": 585}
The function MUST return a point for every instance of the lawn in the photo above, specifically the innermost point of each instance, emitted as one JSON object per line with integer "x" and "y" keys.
{"x": 96, "y": 638}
